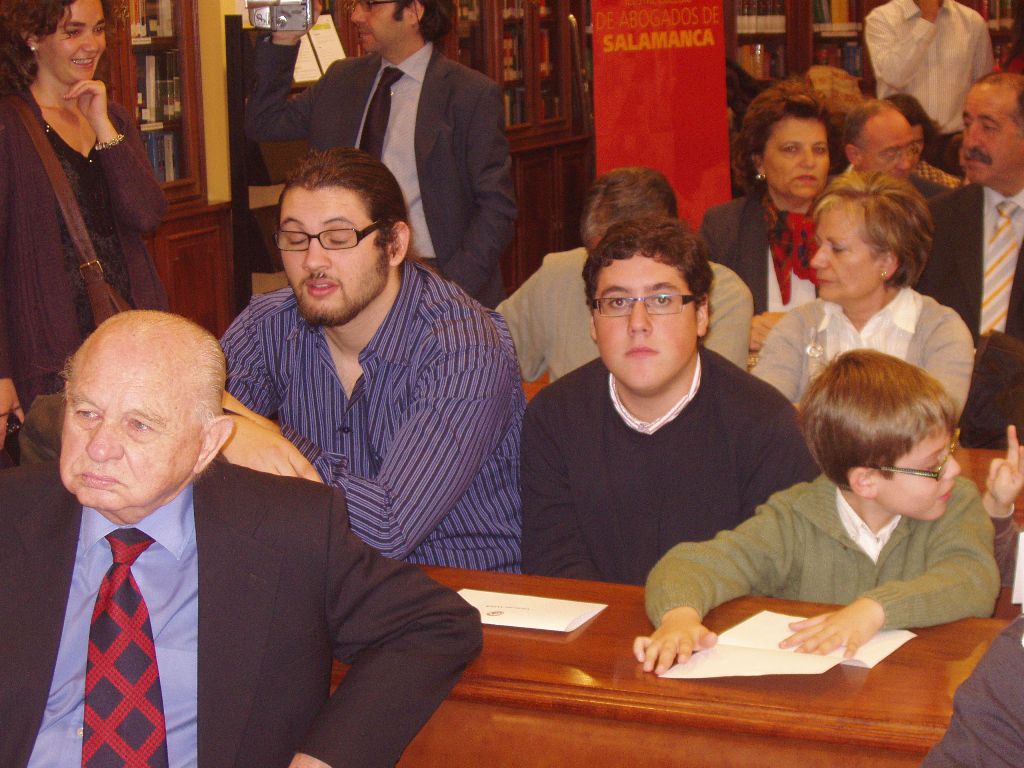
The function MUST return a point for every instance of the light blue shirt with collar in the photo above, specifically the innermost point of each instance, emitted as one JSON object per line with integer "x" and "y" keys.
{"x": 168, "y": 576}
{"x": 400, "y": 140}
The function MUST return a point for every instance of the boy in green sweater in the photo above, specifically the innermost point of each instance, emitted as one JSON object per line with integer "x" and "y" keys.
{"x": 888, "y": 530}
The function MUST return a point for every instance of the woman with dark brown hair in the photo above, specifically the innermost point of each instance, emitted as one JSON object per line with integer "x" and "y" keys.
{"x": 49, "y": 51}
{"x": 781, "y": 158}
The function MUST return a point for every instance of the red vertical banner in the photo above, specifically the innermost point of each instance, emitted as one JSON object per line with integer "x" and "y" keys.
{"x": 659, "y": 95}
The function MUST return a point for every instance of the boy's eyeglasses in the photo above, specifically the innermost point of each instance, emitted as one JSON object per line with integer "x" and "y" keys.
{"x": 934, "y": 474}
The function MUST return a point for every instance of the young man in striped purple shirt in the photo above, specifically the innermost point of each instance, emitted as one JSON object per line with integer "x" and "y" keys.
{"x": 386, "y": 380}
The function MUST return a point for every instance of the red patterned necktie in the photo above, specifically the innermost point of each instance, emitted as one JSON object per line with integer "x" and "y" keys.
{"x": 124, "y": 708}
{"x": 378, "y": 113}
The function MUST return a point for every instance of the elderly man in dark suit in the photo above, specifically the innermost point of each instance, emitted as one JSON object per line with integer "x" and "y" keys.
{"x": 974, "y": 266}
{"x": 162, "y": 610}
{"x": 444, "y": 138}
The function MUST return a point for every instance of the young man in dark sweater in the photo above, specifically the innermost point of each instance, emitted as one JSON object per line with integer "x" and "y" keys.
{"x": 658, "y": 441}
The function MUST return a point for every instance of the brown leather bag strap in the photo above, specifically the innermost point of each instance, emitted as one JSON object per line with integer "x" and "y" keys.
{"x": 103, "y": 297}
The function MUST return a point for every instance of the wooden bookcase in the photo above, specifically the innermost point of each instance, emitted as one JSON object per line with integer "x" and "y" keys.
{"x": 805, "y": 42}
{"x": 156, "y": 58}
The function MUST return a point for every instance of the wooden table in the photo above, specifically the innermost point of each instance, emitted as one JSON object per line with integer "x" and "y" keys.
{"x": 549, "y": 699}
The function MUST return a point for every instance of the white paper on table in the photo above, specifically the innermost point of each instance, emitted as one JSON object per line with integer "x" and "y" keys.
{"x": 1018, "y": 576}
{"x": 751, "y": 648}
{"x": 326, "y": 43}
{"x": 508, "y": 610}
{"x": 307, "y": 70}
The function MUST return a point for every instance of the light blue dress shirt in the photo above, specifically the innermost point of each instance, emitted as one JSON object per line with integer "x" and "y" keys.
{"x": 168, "y": 576}
{"x": 399, "y": 153}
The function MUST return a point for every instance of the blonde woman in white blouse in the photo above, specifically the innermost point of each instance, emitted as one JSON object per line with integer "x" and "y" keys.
{"x": 874, "y": 233}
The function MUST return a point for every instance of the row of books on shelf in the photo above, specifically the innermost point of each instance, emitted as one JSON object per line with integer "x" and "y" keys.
{"x": 151, "y": 18}
{"x": 763, "y": 61}
{"x": 513, "y": 9}
{"x": 998, "y": 13}
{"x": 551, "y": 103}
{"x": 158, "y": 87}
{"x": 848, "y": 55}
{"x": 760, "y": 16}
{"x": 837, "y": 17}
{"x": 512, "y": 59}
{"x": 162, "y": 147}
{"x": 515, "y": 105}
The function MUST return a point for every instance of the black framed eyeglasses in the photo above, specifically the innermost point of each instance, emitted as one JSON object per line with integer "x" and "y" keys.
{"x": 934, "y": 474}
{"x": 656, "y": 304}
{"x": 331, "y": 239}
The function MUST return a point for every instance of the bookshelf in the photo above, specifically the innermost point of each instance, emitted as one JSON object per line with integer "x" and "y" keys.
{"x": 153, "y": 63}
{"x": 827, "y": 32}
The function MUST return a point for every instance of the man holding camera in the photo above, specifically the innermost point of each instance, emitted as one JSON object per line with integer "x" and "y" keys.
{"x": 437, "y": 125}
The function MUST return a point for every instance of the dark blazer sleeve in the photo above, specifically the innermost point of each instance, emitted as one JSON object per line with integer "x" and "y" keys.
{"x": 39, "y": 524}
{"x": 407, "y": 639}
{"x": 269, "y": 114}
{"x": 465, "y": 175}
{"x": 952, "y": 275}
{"x": 284, "y": 586}
{"x": 987, "y": 729}
{"x": 737, "y": 237}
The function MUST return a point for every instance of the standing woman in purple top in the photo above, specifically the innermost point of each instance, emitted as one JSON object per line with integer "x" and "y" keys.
{"x": 49, "y": 50}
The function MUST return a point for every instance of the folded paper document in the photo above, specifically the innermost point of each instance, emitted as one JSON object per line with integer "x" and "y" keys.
{"x": 530, "y": 612}
{"x": 751, "y": 648}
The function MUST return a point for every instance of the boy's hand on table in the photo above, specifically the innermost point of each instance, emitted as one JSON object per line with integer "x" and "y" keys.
{"x": 678, "y": 637}
{"x": 851, "y": 626}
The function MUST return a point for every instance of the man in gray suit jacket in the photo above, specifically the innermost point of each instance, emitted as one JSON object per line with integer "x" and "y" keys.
{"x": 445, "y": 139}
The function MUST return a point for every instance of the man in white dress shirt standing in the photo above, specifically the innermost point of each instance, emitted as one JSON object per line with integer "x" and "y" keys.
{"x": 932, "y": 49}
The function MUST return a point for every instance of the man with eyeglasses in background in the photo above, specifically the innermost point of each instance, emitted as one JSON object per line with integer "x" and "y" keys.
{"x": 437, "y": 125}
{"x": 877, "y": 137}
{"x": 658, "y": 441}
{"x": 386, "y": 380}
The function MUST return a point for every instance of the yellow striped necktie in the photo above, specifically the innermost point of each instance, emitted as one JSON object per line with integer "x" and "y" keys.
{"x": 1000, "y": 266}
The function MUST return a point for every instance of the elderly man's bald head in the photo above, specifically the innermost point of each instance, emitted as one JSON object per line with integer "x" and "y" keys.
{"x": 143, "y": 417}
{"x": 194, "y": 352}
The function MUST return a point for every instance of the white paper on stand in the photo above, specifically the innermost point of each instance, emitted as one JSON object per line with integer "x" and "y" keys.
{"x": 326, "y": 43}
{"x": 307, "y": 70}
{"x": 527, "y": 612}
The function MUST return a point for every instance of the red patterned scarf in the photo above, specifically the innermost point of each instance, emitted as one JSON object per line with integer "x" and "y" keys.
{"x": 792, "y": 244}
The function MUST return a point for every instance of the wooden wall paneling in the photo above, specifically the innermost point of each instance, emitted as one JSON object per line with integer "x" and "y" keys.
{"x": 191, "y": 254}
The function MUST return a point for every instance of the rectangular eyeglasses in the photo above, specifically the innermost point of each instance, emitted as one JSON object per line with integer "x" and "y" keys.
{"x": 656, "y": 304}
{"x": 331, "y": 239}
{"x": 934, "y": 474}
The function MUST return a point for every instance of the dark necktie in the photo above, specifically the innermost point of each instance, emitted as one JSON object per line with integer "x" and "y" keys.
{"x": 124, "y": 708}
{"x": 376, "y": 125}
